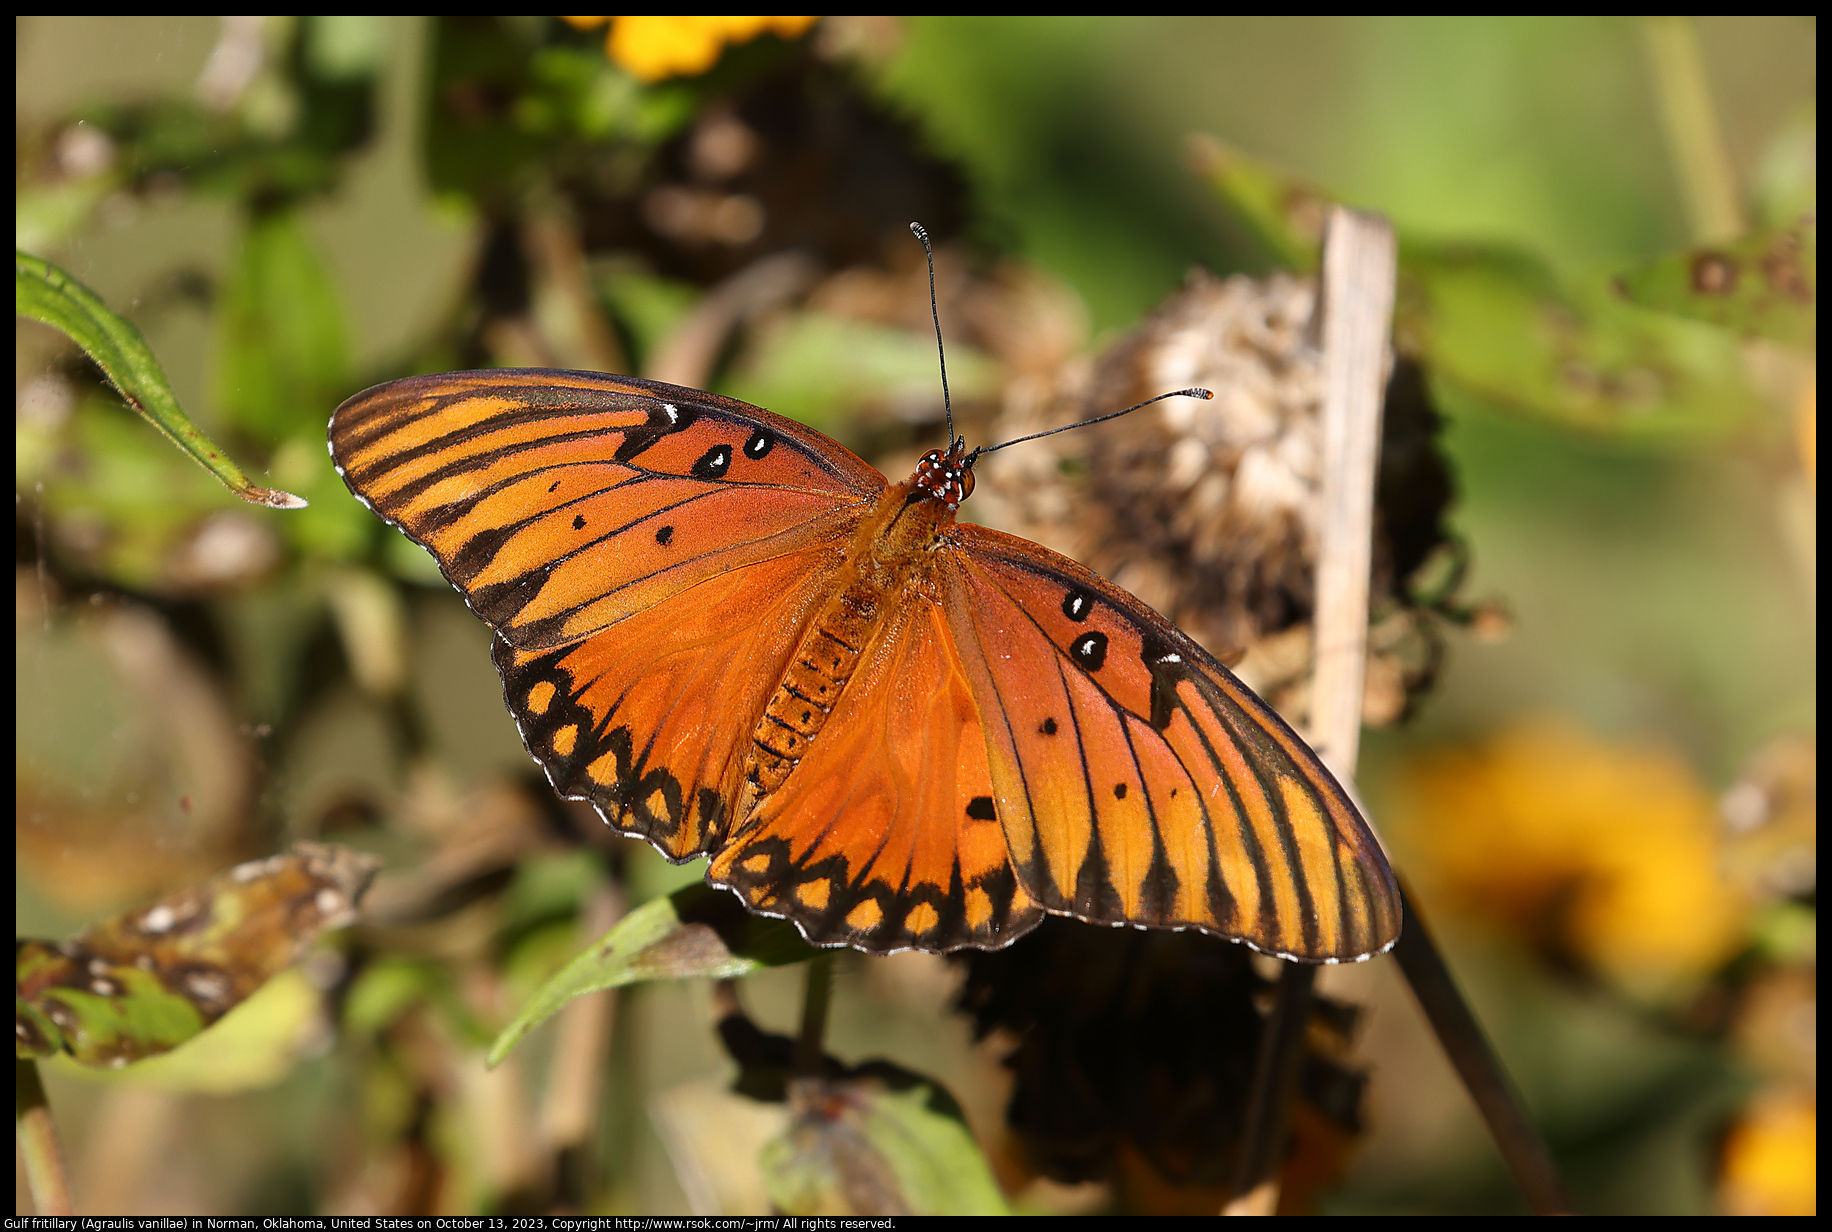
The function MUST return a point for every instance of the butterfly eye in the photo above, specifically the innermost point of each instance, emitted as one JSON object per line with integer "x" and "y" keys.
{"x": 964, "y": 479}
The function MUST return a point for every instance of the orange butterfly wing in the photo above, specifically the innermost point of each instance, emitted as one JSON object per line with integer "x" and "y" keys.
{"x": 561, "y": 504}
{"x": 1138, "y": 781}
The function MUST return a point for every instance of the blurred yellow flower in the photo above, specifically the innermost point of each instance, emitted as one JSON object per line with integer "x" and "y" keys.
{"x": 654, "y": 48}
{"x": 1609, "y": 853}
{"x": 1771, "y": 1158}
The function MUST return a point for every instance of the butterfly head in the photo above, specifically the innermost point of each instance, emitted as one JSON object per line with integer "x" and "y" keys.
{"x": 947, "y": 476}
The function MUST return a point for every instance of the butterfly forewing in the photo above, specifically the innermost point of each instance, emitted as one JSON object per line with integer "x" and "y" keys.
{"x": 562, "y": 502}
{"x": 1139, "y": 781}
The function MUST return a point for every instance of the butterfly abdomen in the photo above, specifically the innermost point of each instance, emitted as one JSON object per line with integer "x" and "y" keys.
{"x": 886, "y": 552}
{"x": 799, "y": 708}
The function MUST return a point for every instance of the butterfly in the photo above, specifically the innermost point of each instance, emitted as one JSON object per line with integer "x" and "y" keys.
{"x": 737, "y": 639}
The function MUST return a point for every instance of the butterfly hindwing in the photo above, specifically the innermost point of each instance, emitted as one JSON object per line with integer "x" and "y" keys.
{"x": 561, "y": 502}
{"x": 1139, "y": 781}
{"x": 650, "y": 720}
{"x": 885, "y": 836}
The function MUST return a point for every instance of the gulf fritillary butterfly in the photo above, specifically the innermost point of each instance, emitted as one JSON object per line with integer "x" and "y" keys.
{"x": 735, "y": 638}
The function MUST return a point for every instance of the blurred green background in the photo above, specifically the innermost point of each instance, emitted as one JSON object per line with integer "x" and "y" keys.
{"x": 294, "y": 209}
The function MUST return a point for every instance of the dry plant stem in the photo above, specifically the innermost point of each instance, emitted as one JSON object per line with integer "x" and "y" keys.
{"x": 1360, "y": 263}
{"x": 1476, "y": 1063}
{"x": 816, "y": 996}
{"x": 38, "y": 1146}
{"x": 1683, "y": 91}
{"x": 582, "y": 1048}
{"x": 565, "y": 303}
{"x": 1275, "y": 1086}
{"x": 688, "y": 355}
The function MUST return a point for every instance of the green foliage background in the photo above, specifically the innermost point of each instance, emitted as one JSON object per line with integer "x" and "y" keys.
{"x": 325, "y": 234}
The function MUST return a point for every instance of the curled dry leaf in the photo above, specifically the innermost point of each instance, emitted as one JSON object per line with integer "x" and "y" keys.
{"x": 146, "y": 981}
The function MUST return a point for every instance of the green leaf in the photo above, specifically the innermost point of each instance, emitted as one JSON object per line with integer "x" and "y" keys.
{"x": 1763, "y": 285}
{"x": 647, "y": 305}
{"x": 254, "y": 1045}
{"x": 48, "y": 294}
{"x": 284, "y": 358}
{"x": 1499, "y": 323}
{"x": 867, "y": 1146}
{"x": 697, "y": 932}
{"x": 142, "y": 983}
{"x": 1284, "y": 212}
{"x": 819, "y": 368}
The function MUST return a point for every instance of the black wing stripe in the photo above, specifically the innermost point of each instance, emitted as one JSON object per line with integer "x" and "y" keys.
{"x": 1345, "y": 907}
{"x": 1158, "y": 888}
{"x": 1243, "y": 829}
{"x": 1121, "y": 714}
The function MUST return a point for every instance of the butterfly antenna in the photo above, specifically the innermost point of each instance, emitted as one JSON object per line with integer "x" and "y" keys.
{"x": 947, "y": 405}
{"x": 1175, "y": 393}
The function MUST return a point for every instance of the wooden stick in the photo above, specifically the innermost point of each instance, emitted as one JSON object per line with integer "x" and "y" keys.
{"x": 1355, "y": 303}
{"x": 1360, "y": 268}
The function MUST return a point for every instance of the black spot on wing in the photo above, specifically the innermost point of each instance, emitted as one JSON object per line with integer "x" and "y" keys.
{"x": 1167, "y": 667}
{"x": 713, "y": 463}
{"x": 760, "y": 444}
{"x": 1089, "y": 651}
{"x": 1049, "y": 727}
{"x": 1077, "y": 604}
{"x": 663, "y": 535}
{"x": 665, "y": 419}
{"x": 578, "y": 521}
{"x": 980, "y": 808}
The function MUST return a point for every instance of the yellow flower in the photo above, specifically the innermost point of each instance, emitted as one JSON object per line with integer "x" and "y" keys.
{"x": 654, "y": 48}
{"x": 1771, "y": 1158}
{"x": 1608, "y": 853}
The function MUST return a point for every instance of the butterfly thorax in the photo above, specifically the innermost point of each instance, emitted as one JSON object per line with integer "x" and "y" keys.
{"x": 888, "y": 559}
